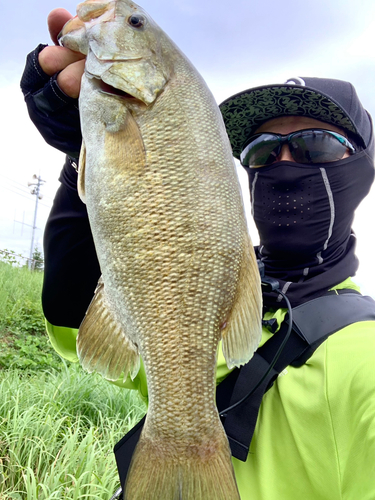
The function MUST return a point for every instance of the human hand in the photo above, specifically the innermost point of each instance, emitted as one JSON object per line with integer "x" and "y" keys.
{"x": 54, "y": 59}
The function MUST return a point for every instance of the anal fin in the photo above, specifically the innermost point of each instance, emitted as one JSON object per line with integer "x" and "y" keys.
{"x": 102, "y": 343}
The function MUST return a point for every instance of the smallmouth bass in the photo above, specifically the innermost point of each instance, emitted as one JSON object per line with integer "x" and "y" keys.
{"x": 178, "y": 269}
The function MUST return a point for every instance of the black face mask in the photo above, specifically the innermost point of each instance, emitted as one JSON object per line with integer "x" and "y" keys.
{"x": 304, "y": 215}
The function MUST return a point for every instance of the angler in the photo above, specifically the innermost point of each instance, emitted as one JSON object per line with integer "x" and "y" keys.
{"x": 305, "y": 427}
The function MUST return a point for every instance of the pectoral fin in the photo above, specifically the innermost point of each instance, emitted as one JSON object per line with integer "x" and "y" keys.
{"x": 124, "y": 148}
{"x": 102, "y": 343}
{"x": 243, "y": 330}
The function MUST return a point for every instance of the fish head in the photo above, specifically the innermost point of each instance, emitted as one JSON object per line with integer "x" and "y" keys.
{"x": 124, "y": 47}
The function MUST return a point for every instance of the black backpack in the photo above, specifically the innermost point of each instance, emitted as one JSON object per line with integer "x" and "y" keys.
{"x": 239, "y": 396}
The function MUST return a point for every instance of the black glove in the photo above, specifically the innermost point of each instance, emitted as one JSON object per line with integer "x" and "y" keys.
{"x": 54, "y": 114}
{"x": 71, "y": 267}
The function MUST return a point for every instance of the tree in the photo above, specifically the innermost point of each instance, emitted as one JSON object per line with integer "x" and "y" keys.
{"x": 37, "y": 263}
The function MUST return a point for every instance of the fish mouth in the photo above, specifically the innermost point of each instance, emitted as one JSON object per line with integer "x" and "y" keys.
{"x": 105, "y": 88}
{"x": 134, "y": 95}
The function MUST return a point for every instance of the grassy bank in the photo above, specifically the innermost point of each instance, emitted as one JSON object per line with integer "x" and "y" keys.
{"x": 57, "y": 432}
{"x": 23, "y": 342}
{"x": 58, "y": 425}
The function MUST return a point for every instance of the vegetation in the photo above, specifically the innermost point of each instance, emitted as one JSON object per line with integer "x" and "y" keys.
{"x": 23, "y": 342}
{"x": 57, "y": 432}
{"x": 10, "y": 256}
{"x": 38, "y": 261}
{"x": 58, "y": 425}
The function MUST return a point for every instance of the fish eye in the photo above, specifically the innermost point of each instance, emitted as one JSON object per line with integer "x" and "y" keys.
{"x": 136, "y": 20}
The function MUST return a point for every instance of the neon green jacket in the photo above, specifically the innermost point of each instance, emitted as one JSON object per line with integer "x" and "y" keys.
{"x": 315, "y": 434}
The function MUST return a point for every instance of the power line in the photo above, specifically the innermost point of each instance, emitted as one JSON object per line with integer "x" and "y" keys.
{"x": 15, "y": 192}
{"x": 12, "y": 180}
{"x": 23, "y": 190}
{"x": 22, "y": 187}
{"x": 11, "y": 186}
{"x": 26, "y": 196}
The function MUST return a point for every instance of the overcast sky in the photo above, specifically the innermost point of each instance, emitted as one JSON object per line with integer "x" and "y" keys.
{"x": 235, "y": 45}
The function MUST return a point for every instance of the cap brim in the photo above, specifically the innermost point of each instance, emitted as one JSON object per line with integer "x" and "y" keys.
{"x": 243, "y": 113}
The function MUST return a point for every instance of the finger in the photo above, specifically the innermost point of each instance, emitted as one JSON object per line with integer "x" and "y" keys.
{"x": 69, "y": 80}
{"x": 54, "y": 59}
{"x": 56, "y": 20}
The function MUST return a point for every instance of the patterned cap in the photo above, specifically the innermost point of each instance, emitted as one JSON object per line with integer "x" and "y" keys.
{"x": 331, "y": 101}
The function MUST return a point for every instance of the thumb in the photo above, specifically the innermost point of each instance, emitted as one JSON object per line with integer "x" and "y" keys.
{"x": 56, "y": 20}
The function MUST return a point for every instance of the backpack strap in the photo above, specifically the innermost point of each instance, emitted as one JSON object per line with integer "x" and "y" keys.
{"x": 124, "y": 450}
{"x": 313, "y": 322}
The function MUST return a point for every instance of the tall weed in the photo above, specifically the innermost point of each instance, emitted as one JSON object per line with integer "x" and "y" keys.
{"x": 23, "y": 341}
{"x": 57, "y": 432}
{"x": 58, "y": 425}
{"x": 20, "y": 291}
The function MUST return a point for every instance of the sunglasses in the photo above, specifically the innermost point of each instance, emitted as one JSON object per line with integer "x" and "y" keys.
{"x": 306, "y": 146}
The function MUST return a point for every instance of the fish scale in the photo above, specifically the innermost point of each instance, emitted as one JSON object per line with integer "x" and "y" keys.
{"x": 178, "y": 269}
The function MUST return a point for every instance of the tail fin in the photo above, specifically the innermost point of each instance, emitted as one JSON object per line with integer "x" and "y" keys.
{"x": 161, "y": 471}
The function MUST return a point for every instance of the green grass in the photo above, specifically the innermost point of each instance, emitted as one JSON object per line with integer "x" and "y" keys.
{"x": 57, "y": 432}
{"x": 18, "y": 286}
{"x": 23, "y": 341}
{"x": 58, "y": 425}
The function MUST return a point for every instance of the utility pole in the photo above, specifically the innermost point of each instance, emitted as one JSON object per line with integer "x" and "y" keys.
{"x": 35, "y": 185}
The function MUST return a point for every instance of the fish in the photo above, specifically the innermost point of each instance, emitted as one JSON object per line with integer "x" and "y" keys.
{"x": 179, "y": 273}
